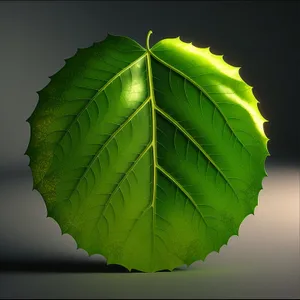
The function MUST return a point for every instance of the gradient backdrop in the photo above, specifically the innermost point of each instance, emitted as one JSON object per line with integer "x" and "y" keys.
{"x": 262, "y": 37}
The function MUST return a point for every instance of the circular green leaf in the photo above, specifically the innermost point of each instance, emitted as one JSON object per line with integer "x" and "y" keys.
{"x": 150, "y": 157}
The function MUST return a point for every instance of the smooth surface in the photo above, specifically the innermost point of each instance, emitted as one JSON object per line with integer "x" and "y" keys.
{"x": 262, "y": 262}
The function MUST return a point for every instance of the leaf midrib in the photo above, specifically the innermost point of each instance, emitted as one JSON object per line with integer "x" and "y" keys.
{"x": 154, "y": 145}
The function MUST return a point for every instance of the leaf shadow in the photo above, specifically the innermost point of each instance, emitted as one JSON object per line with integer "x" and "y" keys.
{"x": 64, "y": 266}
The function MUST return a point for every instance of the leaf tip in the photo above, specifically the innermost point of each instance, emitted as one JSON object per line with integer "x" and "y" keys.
{"x": 238, "y": 71}
{"x": 265, "y": 120}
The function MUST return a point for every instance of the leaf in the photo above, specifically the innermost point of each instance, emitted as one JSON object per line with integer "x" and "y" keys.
{"x": 150, "y": 157}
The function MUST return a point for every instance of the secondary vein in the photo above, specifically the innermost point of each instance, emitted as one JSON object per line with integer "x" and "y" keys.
{"x": 113, "y": 135}
{"x": 183, "y": 190}
{"x": 141, "y": 155}
{"x": 98, "y": 93}
{"x": 184, "y": 131}
{"x": 202, "y": 90}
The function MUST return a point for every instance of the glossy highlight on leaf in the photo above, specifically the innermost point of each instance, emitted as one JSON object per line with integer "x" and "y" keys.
{"x": 151, "y": 157}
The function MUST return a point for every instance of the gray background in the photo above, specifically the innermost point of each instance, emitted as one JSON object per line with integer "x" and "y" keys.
{"x": 36, "y": 37}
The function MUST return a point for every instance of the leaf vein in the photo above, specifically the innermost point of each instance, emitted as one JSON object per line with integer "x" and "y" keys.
{"x": 201, "y": 89}
{"x": 210, "y": 160}
{"x": 183, "y": 190}
{"x": 104, "y": 146}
